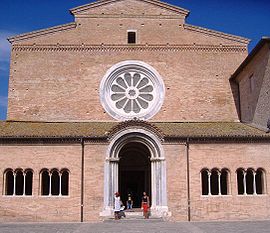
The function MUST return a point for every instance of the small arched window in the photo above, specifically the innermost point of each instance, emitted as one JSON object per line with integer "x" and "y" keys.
{"x": 64, "y": 182}
{"x": 204, "y": 181}
{"x": 9, "y": 182}
{"x": 250, "y": 175}
{"x": 224, "y": 179}
{"x": 214, "y": 182}
{"x": 18, "y": 182}
{"x": 251, "y": 182}
{"x": 240, "y": 181}
{"x": 54, "y": 183}
{"x": 259, "y": 178}
{"x": 28, "y": 182}
{"x": 45, "y": 182}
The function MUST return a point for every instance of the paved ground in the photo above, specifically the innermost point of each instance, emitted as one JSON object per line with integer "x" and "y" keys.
{"x": 138, "y": 226}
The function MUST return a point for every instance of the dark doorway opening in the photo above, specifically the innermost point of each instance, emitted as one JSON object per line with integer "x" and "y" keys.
{"x": 134, "y": 172}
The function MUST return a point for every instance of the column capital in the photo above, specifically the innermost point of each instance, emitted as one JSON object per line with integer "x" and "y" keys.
{"x": 157, "y": 159}
{"x": 116, "y": 160}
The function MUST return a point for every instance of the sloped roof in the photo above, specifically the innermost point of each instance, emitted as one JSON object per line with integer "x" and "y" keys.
{"x": 251, "y": 55}
{"x": 157, "y": 3}
{"x": 18, "y": 129}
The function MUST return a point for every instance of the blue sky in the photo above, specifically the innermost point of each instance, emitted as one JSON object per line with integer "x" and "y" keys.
{"x": 247, "y": 18}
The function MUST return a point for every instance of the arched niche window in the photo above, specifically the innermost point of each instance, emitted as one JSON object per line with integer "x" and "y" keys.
{"x": 64, "y": 182}
{"x": 250, "y": 175}
{"x": 9, "y": 182}
{"x": 45, "y": 182}
{"x": 18, "y": 182}
{"x": 251, "y": 182}
{"x": 241, "y": 181}
{"x": 260, "y": 183}
{"x": 214, "y": 182}
{"x": 204, "y": 182}
{"x": 54, "y": 182}
{"x": 28, "y": 182}
{"x": 224, "y": 180}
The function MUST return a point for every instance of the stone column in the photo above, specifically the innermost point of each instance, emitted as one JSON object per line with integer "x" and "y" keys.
{"x": 110, "y": 185}
{"x": 159, "y": 189}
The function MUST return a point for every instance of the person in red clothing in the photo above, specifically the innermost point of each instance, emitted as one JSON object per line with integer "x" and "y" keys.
{"x": 145, "y": 205}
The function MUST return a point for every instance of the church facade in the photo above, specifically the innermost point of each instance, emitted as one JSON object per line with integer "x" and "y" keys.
{"x": 131, "y": 98}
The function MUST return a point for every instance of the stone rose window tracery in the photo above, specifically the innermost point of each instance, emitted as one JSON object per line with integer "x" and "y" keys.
{"x": 132, "y": 89}
{"x": 132, "y": 92}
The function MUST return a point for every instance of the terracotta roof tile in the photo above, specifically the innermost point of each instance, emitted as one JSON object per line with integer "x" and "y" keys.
{"x": 15, "y": 129}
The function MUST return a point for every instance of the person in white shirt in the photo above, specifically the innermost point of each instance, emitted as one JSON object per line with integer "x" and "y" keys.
{"x": 117, "y": 205}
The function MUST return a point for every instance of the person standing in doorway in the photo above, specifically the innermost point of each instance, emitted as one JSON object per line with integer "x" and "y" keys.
{"x": 145, "y": 205}
{"x": 117, "y": 205}
{"x": 129, "y": 202}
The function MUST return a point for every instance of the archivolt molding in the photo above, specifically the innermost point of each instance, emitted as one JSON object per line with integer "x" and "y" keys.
{"x": 127, "y": 48}
{"x": 145, "y": 134}
{"x": 136, "y": 123}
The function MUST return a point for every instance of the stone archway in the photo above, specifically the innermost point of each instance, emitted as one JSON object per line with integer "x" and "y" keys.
{"x": 146, "y": 139}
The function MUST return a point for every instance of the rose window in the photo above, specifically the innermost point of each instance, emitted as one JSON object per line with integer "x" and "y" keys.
{"x": 132, "y": 89}
{"x": 132, "y": 92}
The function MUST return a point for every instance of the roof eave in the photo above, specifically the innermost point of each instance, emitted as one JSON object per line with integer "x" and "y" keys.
{"x": 212, "y": 32}
{"x": 41, "y": 32}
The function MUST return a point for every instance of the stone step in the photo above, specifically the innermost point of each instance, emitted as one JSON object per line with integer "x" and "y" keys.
{"x": 135, "y": 215}
{"x": 132, "y": 219}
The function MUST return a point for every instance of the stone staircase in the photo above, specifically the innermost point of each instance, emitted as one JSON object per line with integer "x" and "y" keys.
{"x": 135, "y": 215}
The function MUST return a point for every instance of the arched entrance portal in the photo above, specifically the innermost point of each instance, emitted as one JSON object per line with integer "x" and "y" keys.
{"x": 134, "y": 172}
{"x": 136, "y": 153}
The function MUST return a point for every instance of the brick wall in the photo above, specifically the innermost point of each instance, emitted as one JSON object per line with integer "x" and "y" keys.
{"x": 37, "y": 207}
{"x": 52, "y": 81}
{"x": 64, "y": 85}
{"x": 95, "y": 155}
{"x": 176, "y": 163}
{"x": 232, "y": 157}
{"x": 255, "y": 104}
{"x": 57, "y": 209}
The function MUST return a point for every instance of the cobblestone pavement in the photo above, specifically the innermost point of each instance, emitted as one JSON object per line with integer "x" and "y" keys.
{"x": 138, "y": 227}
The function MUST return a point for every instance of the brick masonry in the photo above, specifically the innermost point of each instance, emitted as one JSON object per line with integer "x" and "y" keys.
{"x": 255, "y": 99}
{"x": 56, "y": 76}
{"x": 232, "y": 157}
{"x": 63, "y": 84}
{"x": 37, "y": 207}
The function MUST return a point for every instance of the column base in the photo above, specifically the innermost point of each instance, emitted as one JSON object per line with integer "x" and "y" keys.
{"x": 107, "y": 212}
{"x": 160, "y": 212}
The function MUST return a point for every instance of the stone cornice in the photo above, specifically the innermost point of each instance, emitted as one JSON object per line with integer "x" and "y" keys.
{"x": 107, "y": 16}
{"x": 52, "y": 140}
{"x": 104, "y": 140}
{"x": 129, "y": 48}
{"x": 157, "y": 3}
{"x": 42, "y": 32}
{"x": 218, "y": 140}
{"x": 216, "y": 33}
